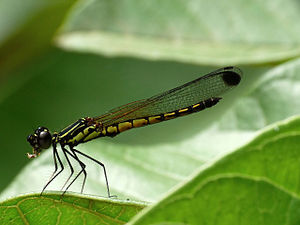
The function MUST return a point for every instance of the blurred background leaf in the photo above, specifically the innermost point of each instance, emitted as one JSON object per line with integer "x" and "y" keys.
{"x": 26, "y": 31}
{"x": 200, "y": 32}
{"x": 108, "y": 53}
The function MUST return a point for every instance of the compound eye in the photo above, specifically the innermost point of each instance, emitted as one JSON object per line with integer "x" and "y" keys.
{"x": 45, "y": 139}
{"x": 40, "y": 129}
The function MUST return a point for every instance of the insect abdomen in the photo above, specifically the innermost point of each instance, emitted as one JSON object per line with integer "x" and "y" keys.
{"x": 115, "y": 129}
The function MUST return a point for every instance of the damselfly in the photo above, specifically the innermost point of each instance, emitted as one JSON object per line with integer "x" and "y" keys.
{"x": 188, "y": 98}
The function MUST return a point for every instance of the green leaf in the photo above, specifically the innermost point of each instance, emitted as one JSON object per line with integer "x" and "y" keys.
{"x": 227, "y": 201}
{"x": 200, "y": 32}
{"x": 68, "y": 209}
{"x": 257, "y": 184}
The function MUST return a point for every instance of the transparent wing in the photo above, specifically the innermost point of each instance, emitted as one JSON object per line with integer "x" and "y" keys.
{"x": 210, "y": 85}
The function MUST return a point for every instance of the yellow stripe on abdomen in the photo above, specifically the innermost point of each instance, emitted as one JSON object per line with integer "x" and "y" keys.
{"x": 124, "y": 126}
{"x": 140, "y": 122}
{"x": 112, "y": 129}
{"x": 184, "y": 111}
{"x": 155, "y": 119}
{"x": 169, "y": 116}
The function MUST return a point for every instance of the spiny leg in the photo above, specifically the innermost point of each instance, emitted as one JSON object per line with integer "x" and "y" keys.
{"x": 55, "y": 155}
{"x": 82, "y": 170}
{"x": 70, "y": 165}
{"x": 99, "y": 163}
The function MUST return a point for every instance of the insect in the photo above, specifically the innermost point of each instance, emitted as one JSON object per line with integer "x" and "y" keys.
{"x": 188, "y": 98}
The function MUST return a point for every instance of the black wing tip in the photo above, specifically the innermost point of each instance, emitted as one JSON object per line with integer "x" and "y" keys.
{"x": 232, "y": 75}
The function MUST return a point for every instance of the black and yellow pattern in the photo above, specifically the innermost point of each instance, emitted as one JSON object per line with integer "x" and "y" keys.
{"x": 191, "y": 97}
{"x": 114, "y": 129}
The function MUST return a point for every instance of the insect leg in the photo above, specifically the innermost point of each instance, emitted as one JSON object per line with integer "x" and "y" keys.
{"x": 70, "y": 165}
{"x": 55, "y": 155}
{"x": 81, "y": 171}
{"x": 99, "y": 163}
